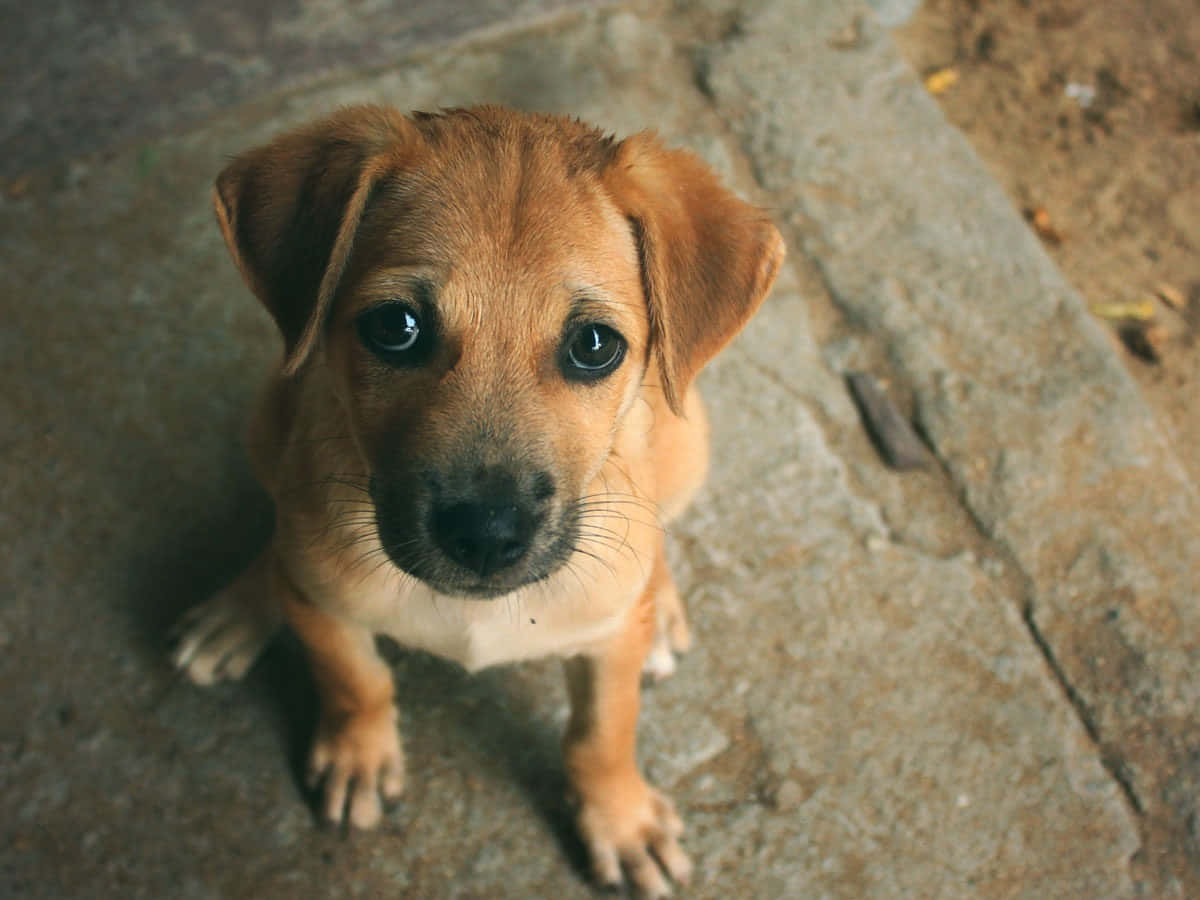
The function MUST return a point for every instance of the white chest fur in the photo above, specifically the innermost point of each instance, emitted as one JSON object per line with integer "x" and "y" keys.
{"x": 581, "y": 604}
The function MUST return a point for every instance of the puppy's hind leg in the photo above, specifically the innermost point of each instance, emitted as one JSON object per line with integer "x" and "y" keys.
{"x": 222, "y": 637}
{"x": 671, "y": 632}
{"x": 681, "y": 455}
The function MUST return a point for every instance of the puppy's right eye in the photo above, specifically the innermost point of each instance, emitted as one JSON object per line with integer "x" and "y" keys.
{"x": 393, "y": 331}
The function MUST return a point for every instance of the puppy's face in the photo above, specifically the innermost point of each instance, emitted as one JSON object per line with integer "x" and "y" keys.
{"x": 489, "y": 333}
{"x": 489, "y": 289}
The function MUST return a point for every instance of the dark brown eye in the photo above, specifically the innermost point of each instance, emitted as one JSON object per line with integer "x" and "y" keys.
{"x": 593, "y": 352}
{"x": 393, "y": 332}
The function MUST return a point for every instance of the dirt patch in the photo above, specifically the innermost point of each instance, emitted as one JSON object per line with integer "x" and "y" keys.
{"x": 1088, "y": 112}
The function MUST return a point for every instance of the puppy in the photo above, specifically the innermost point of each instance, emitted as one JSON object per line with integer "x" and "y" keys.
{"x": 491, "y": 322}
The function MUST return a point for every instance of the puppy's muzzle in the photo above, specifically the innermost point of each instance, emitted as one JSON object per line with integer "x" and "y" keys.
{"x": 473, "y": 529}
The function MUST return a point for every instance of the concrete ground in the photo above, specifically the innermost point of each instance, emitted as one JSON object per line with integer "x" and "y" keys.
{"x": 979, "y": 680}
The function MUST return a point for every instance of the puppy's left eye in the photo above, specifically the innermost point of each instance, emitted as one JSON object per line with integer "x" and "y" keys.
{"x": 592, "y": 352}
{"x": 394, "y": 332}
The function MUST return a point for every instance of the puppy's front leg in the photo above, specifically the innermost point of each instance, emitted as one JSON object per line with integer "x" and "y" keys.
{"x": 222, "y": 637}
{"x": 356, "y": 752}
{"x": 623, "y": 820}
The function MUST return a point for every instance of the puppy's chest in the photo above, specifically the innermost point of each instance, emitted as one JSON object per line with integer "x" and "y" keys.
{"x": 547, "y": 619}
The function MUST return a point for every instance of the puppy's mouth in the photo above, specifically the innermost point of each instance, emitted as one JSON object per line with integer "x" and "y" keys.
{"x": 479, "y": 545}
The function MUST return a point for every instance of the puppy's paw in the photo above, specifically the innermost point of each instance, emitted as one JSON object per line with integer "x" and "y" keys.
{"x": 358, "y": 763}
{"x": 222, "y": 637}
{"x": 630, "y": 827}
{"x": 672, "y": 635}
{"x": 660, "y": 661}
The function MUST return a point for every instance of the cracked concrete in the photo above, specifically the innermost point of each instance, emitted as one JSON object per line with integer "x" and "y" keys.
{"x": 1040, "y": 428}
{"x": 973, "y": 681}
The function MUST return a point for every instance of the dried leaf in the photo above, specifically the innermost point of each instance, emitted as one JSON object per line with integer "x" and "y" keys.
{"x": 849, "y": 37}
{"x": 1156, "y": 336}
{"x": 1040, "y": 219}
{"x": 1172, "y": 296}
{"x": 1144, "y": 342}
{"x": 1140, "y": 311}
{"x": 940, "y": 81}
{"x": 19, "y": 186}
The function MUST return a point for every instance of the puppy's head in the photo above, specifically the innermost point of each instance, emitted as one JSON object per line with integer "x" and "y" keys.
{"x": 491, "y": 291}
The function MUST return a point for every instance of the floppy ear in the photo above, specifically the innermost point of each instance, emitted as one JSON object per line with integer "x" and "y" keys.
{"x": 289, "y": 212}
{"x": 708, "y": 259}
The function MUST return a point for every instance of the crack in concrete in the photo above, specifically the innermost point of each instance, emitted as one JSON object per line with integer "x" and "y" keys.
{"x": 1112, "y": 761}
{"x": 1113, "y": 764}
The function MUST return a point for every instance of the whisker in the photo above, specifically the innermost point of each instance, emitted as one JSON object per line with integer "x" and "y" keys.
{"x": 569, "y": 566}
{"x": 600, "y": 559}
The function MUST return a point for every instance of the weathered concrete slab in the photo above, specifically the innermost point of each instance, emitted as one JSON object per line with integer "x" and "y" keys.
{"x": 1037, "y": 422}
{"x": 865, "y": 713}
{"x": 80, "y": 77}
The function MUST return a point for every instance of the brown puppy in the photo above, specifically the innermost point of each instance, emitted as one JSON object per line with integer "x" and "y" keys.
{"x": 492, "y": 321}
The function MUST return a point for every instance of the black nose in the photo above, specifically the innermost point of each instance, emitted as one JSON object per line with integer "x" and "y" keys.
{"x": 483, "y": 537}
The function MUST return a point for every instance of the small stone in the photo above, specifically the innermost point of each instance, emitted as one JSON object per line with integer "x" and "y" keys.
{"x": 850, "y": 37}
{"x": 93, "y": 741}
{"x": 992, "y": 566}
{"x": 787, "y": 796}
{"x": 892, "y": 434}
